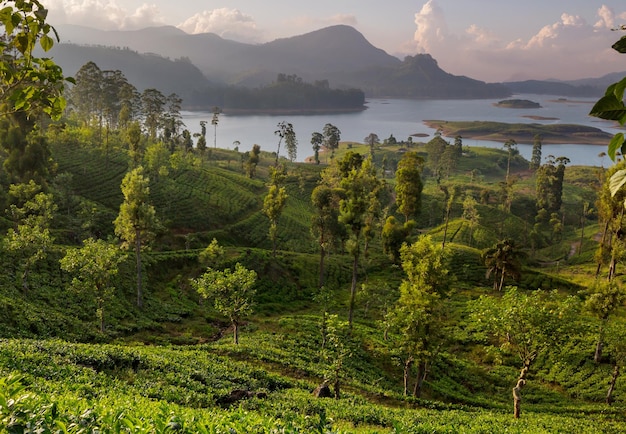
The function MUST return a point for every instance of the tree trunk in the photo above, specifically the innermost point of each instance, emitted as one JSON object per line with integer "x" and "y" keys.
{"x": 517, "y": 390}
{"x": 139, "y": 275}
{"x": 502, "y": 278}
{"x": 422, "y": 373}
{"x": 407, "y": 374}
{"x": 355, "y": 270}
{"x": 322, "y": 259}
{"x": 609, "y": 394}
{"x": 602, "y": 242}
{"x": 236, "y": 332}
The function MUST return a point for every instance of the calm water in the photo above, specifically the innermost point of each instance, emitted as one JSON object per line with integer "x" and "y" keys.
{"x": 403, "y": 118}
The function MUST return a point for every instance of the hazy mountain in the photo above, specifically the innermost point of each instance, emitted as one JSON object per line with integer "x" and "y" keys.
{"x": 339, "y": 54}
{"x": 142, "y": 70}
{"x": 560, "y": 88}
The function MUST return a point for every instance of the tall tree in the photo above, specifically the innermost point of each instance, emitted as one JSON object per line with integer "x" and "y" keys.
{"x": 232, "y": 293}
{"x": 253, "y": 159}
{"x": 419, "y": 314}
{"x": 502, "y": 260}
{"x": 435, "y": 149}
{"x": 215, "y": 120}
{"x": 332, "y": 136}
{"x": 316, "y": 141}
{"x": 286, "y": 132}
{"x": 324, "y": 224}
{"x": 409, "y": 185}
{"x": 274, "y": 202}
{"x": 604, "y": 298}
{"x": 511, "y": 150}
{"x": 372, "y": 141}
{"x": 153, "y": 107}
{"x": 535, "y": 159}
{"x": 93, "y": 265}
{"x": 86, "y": 94}
{"x": 361, "y": 188}
{"x": 136, "y": 222}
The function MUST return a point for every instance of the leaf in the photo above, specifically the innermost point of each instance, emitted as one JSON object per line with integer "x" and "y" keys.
{"x": 46, "y": 42}
{"x": 617, "y": 181}
{"x": 610, "y": 108}
{"x": 617, "y": 142}
{"x": 620, "y": 45}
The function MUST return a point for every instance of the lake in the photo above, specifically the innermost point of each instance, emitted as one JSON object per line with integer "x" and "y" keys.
{"x": 403, "y": 118}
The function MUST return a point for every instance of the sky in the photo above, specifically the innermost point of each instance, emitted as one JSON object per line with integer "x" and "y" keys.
{"x": 489, "y": 40}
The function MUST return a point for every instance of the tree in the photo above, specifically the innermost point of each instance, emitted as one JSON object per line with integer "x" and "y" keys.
{"x": 201, "y": 145}
{"x": 338, "y": 348}
{"x": 274, "y": 203}
{"x": 30, "y": 238}
{"x": 253, "y": 160}
{"x": 535, "y": 159}
{"x": 285, "y": 132}
{"x": 419, "y": 314}
{"x": 93, "y": 265}
{"x": 409, "y": 185}
{"x": 511, "y": 148}
{"x": 136, "y": 222}
{"x": 85, "y": 95}
{"x": 324, "y": 223}
{"x": 332, "y": 136}
{"x": 214, "y": 121}
{"x": 372, "y": 140}
{"x": 616, "y": 346}
{"x": 232, "y": 293}
{"x": 29, "y": 84}
{"x": 153, "y": 106}
{"x": 524, "y": 323}
{"x": 604, "y": 298}
{"x": 316, "y": 141}
{"x": 435, "y": 149}
{"x": 470, "y": 215}
{"x": 458, "y": 146}
{"x": 394, "y": 234}
{"x": 502, "y": 259}
{"x": 549, "y": 184}
{"x": 361, "y": 188}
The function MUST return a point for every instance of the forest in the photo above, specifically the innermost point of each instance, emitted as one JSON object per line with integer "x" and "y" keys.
{"x": 151, "y": 282}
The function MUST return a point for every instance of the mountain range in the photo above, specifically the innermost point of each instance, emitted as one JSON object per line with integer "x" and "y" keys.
{"x": 171, "y": 60}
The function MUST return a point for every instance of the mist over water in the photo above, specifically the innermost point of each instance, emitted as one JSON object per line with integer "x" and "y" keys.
{"x": 403, "y": 118}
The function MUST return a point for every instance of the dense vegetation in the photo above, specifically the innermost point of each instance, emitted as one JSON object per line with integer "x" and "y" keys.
{"x": 416, "y": 287}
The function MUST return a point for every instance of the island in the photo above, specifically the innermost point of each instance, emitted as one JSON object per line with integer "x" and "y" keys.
{"x": 518, "y": 104}
{"x": 521, "y": 132}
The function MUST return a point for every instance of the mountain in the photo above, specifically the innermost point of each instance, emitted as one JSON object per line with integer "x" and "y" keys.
{"x": 562, "y": 88}
{"x": 339, "y": 54}
{"x": 142, "y": 70}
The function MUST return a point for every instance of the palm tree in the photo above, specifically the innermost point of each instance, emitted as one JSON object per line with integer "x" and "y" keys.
{"x": 503, "y": 259}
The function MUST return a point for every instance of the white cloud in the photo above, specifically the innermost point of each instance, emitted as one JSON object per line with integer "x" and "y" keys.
{"x": 106, "y": 15}
{"x": 227, "y": 23}
{"x": 567, "y": 49}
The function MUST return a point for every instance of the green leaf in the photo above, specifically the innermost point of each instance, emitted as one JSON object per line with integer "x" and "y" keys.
{"x": 46, "y": 42}
{"x": 620, "y": 45}
{"x": 617, "y": 181}
{"x": 610, "y": 108}
{"x": 617, "y": 142}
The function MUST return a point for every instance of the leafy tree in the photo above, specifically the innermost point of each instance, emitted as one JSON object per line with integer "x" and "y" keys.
{"x": 435, "y": 149}
{"x": 212, "y": 254}
{"x": 535, "y": 159}
{"x": 470, "y": 215}
{"x": 85, "y": 95}
{"x": 419, "y": 313}
{"x": 338, "y": 348}
{"x": 232, "y": 293}
{"x": 253, "y": 159}
{"x": 361, "y": 188}
{"x": 604, "y": 298}
{"x": 157, "y": 160}
{"x": 28, "y": 84}
{"x": 316, "y": 141}
{"x": 409, "y": 185}
{"x": 27, "y": 152}
{"x": 372, "y": 140}
{"x": 616, "y": 346}
{"x": 332, "y": 136}
{"x": 394, "y": 235}
{"x": 526, "y": 324}
{"x": 153, "y": 107}
{"x": 30, "y": 238}
{"x": 274, "y": 203}
{"x": 201, "y": 145}
{"x": 458, "y": 146}
{"x": 136, "y": 222}
{"x": 94, "y": 265}
{"x": 325, "y": 224}
{"x": 503, "y": 259}
{"x": 285, "y": 132}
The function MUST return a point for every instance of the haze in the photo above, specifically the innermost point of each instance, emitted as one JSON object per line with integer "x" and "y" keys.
{"x": 482, "y": 39}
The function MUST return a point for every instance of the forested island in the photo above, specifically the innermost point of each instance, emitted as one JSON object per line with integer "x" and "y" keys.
{"x": 518, "y": 104}
{"x": 521, "y": 132}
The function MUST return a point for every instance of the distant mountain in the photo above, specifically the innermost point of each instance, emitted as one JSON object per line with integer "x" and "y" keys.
{"x": 561, "y": 88}
{"x": 142, "y": 70}
{"x": 339, "y": 54}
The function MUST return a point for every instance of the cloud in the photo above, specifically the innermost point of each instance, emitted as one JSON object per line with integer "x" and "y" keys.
{"x": 227, "y": 23}
{"x": 570, "y": 48}
{"x": 105, "y": 15}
